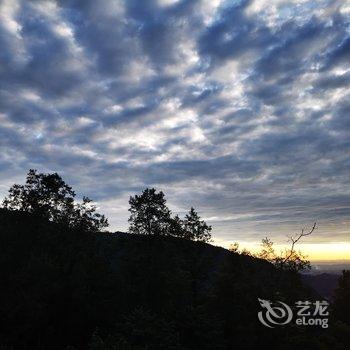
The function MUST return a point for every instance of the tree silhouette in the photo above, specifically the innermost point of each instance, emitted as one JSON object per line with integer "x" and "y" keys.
{"x": 176, "y": 227}
{"x": 342, "y": 298}
{"x": 289, "y": 259}
{"x": 195, "y": 228}
{"x": 149, "y": 213}
{"x": 48, "y": 196}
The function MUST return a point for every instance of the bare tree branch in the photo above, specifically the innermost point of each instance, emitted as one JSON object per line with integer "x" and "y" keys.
{"x": 297, "y": 239}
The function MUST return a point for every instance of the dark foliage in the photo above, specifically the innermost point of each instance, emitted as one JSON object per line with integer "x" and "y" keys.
{"x": 151, "y": 216}
{"x": 342, "y": 298}
{"x": 324, "y": 283}
{"x": 195, "y": 228}
{"x": 149, "y": 213}
{"x": 66, "y": 288}
{"x": 48, "y": 196}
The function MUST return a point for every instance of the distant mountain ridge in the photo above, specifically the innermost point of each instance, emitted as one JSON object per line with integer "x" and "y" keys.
{"x": 323, "y": 283}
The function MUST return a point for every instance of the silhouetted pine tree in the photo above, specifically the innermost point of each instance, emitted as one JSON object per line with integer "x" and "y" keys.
{"x": 195, "y": 228}
{"x": 149, "y": 213}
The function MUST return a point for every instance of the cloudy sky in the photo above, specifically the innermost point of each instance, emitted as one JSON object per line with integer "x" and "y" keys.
{"x": 239, "y": 108}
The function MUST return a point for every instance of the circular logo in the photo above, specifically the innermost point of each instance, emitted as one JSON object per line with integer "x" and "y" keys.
{"x": 278, "y": 314}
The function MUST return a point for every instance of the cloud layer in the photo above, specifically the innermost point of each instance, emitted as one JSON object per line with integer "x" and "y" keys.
{"x": 240, "y": 108}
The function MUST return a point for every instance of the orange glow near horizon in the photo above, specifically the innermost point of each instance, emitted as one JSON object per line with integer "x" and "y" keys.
{"x": 322, "y": 251}
{"x": 326, "y": 251}
{"x": 335, "y": 251}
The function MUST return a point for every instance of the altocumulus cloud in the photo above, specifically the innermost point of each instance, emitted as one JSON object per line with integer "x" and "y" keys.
{"x": 240, "y": 108}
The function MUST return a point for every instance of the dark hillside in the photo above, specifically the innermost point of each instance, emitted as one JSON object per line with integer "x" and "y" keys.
{"x": 323, "y": 283}
{"x": 64, "y": 289}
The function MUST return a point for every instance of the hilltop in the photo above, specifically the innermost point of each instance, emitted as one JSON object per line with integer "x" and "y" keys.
{"x": 65, "y": 288}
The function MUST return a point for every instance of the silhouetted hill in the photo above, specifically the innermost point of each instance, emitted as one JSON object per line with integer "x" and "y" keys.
{"x": 323, "y": 283}
{"x": 64, "y": 289}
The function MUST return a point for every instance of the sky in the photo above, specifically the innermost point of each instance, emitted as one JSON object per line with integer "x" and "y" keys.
{"x": 238, "y": 108}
